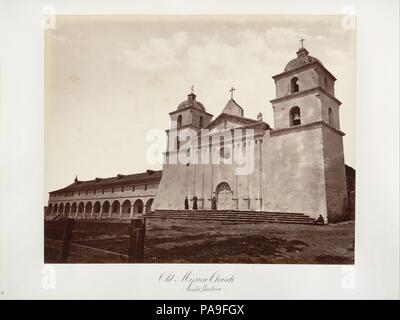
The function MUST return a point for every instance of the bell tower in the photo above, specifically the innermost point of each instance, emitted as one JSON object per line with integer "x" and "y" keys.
{"x": 309, "y": 141}
{"x": 305, "y": 94}
{"x": 189, "y": 114}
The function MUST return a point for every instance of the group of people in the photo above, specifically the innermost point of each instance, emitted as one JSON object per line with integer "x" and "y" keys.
{"x": 195, "y": 199}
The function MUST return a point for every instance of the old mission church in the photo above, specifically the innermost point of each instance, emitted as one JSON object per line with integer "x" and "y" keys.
{"x": 298, "y": 164}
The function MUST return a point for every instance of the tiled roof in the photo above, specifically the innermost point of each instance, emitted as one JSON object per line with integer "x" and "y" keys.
{"x": 149, "y": 176}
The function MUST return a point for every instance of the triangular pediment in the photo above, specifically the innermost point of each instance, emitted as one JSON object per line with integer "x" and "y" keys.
{"x": 227, "y": 121}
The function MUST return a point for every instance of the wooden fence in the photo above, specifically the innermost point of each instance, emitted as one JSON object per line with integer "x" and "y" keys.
{"x": 62, "y": 233}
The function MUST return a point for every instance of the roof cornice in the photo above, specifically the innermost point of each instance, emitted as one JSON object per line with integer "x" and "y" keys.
{"x": 190, "y": 107}
{"x": 305, "y": 92}
{"x": 277, "y": 132}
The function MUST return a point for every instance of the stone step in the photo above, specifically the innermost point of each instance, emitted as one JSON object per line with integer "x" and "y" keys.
{"x": 232, "y": 216}
{"x": 224, "y": 212}
{"x": 228, "y": 213}
{"x": 217, "y": 214}
{"x": 235, "y": 221}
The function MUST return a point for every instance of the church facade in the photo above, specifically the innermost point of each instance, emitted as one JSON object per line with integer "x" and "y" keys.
{"x": 295, "y": 167}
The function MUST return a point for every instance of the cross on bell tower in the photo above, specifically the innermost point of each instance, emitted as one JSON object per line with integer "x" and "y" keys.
{"x": 302, "y": 42}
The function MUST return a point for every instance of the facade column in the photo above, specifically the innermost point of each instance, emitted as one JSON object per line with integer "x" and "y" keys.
{"x": 132, "y": 210}
{"x": 120, "y": 211}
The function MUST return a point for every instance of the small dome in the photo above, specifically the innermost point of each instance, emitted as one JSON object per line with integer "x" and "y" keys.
{"x": 302, "y": 59}
{"x": 191, "y": 102}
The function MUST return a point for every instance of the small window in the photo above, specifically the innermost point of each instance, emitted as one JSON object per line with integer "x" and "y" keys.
{"x": 102, "y": 191}
{"x": 87, "y": 192}
{"x": 330, "y": 117}
{"x": 294, "y": 86}
{"x": 295, "y": 118}
{"x": 326, "y": 83}
{"x": 133, "y": 188}
{"x": 94, "y": 192}
{"x": 201, "y": 122}
{"x": 112, "y": 190}
{"x": 122, "y": 189}
{"x": 145, "y": 187}
{"x": 179, "y": 121}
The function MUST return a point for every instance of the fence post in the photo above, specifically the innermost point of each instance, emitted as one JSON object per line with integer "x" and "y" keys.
{"x": 133, "y": 239}
{"x": 67, "y": 236}
{"x": 140, "y": 236}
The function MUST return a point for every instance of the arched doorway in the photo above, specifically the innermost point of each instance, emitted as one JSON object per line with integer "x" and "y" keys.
{"x": 81, "y": 208}
{"x": 74, "y": 208}
{"x": 96, "y": 209}
{"x": 105, "y": 210}
{"x": 67, "y": 209}
{"x": 88, "y": 209}
{"x": 224, "y": 196}
{"x": 149, "y": 204}
{"x": 126, "y": 209}
{"x": 49, "y": 209}
{"x": 138, "y": 206}
{"x": 61, "y": 208}
{"x": 115, "y": 210}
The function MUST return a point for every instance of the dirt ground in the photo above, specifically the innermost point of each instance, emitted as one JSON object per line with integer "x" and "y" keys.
{"x": 181, "y": 241}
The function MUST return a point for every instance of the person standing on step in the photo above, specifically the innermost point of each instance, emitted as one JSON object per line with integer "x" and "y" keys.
{"x": 186, "y": 203}
{"x": 195, "y": 203}
{"x": 214, "y": 203}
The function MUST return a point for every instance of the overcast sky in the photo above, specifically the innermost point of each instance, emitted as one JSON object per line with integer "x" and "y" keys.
{"x": 111, "y": 79}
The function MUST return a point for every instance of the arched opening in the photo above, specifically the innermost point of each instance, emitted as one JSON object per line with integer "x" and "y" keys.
{"x": 294, "y": 86}
{"x": 96, "y": 209}
{"x": 115, "y": 209}
{"x": 178, "y": 143}
{"x": 126, "y": 209}
{"x": 81, "y": 208}
{"x": 61, "y": 208}
{"x": 295, "y": 118}
{"x": 67, "y": 209}
{"x": 88, "y": 209}
{"x": 106, "y": 209}
{"x": 149, "y": 203}
{"x": 55, "y": 208}
{"x": 74, "y": 208}
{"x": 201, "y": 122}
{"x": 223, "y": 196}
{"x": 330, "y": 117}
{"x": 138, "y": 206}
{"x": 179, "y": 121}
{"x": 49, "y": 208}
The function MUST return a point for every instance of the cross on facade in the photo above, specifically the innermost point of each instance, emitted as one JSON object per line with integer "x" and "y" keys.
{"x": 231, "y": 91}
{"x": 302, "y": 42}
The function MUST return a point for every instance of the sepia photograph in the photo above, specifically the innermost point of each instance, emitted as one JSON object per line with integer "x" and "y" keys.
{"x": 200, "y": 157}
{"x": 200, "y": 139}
